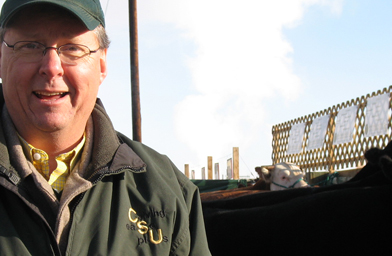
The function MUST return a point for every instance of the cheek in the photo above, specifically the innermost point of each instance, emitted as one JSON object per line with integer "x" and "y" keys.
{"x": 88, "y": 70}
{"x": 1, "y": 65}
{"x": 11, "y": 69}
{"x": 81, "y": 76}
{"x": 83, "y": 84}
{"x": 10, "y": 80}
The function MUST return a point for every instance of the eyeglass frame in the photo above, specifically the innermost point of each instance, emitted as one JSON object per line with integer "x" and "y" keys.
{"x": 55, "y": 48}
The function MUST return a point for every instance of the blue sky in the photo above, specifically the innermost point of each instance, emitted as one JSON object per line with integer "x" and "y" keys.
{"x": 333, "y": 51}
{"x": 219, "y": 74}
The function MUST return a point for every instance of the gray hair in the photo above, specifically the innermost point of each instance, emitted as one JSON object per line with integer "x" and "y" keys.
{"x": 102, "y": 36}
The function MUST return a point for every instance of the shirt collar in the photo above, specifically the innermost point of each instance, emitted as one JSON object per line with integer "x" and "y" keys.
{"x": 75, "y": 153}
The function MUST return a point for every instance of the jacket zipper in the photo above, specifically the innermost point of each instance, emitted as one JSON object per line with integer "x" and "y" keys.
{"x": 11, "y": 176}
{"x": 103, "y": 174}
{"x": 14, "y": 179}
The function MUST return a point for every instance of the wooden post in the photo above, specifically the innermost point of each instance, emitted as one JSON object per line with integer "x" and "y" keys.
{"x": 209, "y": 161}
{"x": 135, "y": 91}
{"x": 236, "y": 164}
{"x": 187, "y": 170}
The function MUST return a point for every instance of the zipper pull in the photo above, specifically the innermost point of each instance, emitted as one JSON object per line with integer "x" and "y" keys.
{"x": 11, "y": 175}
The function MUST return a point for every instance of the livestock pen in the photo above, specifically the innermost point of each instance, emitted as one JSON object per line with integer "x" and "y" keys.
{"x": 349, "y": 218}
{"x": 335, "y": 139}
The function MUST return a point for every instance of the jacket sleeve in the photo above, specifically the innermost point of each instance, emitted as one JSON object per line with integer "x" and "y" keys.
{"x": 198, "y": 238}
{"x": 192, "y": 238}
{"x": 199, "y": 245}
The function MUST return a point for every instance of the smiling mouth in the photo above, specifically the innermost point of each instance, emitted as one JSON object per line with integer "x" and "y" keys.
{"x": 50, "y": 95}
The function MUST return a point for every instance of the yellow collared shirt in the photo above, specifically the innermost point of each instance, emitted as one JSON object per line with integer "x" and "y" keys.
{"x": 65, "y": 163}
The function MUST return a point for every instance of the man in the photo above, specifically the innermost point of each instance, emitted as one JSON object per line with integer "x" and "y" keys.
{"x": 69, "y": 183}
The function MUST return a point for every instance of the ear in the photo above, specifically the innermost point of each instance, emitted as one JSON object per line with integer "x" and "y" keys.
{"x": 103, "y": 64}
{"x": 266, "y": 174}
{"x": 258, "y": 171}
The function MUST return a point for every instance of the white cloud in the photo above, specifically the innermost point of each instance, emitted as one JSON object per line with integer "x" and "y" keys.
{"x": 242, "y": 58}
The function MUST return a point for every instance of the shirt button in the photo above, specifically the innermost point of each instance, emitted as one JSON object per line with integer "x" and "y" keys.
{"x": 37, "y": 156}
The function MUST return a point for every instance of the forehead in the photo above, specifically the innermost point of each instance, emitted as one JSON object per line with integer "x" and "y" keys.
{"x": 287, "y": 166}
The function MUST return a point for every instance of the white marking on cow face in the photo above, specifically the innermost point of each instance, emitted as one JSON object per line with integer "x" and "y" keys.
{"x": 284, "y": 175}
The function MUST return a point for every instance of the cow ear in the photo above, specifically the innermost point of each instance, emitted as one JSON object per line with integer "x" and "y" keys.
{"x": 266, "y": 174}
{"x": 258, "y": 170}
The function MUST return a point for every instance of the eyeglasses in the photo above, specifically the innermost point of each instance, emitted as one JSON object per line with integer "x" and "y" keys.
{"x": 30, "y": 51}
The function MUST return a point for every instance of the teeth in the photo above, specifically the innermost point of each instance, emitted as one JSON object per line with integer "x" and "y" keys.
{"x": 49, "y": 93}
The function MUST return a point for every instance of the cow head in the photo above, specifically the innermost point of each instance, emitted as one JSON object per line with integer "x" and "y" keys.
{"x": 284, "y": 175}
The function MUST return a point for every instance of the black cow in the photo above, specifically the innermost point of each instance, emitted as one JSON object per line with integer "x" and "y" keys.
{"x": 353, "y": 218}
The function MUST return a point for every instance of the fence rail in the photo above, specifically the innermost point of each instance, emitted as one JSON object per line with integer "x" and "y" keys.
{"x": 331, "y": 156}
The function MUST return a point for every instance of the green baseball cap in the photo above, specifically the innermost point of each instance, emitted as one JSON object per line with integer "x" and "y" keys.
{"x": 89, "y": 11}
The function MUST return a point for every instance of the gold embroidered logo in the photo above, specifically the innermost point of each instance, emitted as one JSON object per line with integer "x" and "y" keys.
{"x": 143, "y": 227}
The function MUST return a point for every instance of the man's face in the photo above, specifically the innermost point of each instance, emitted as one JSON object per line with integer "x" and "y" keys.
{"x": 50, "y": 96}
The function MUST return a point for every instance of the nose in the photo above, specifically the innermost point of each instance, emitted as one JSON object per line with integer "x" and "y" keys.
{"x": 51, "y": 64}
{"x": 49, "y": 48}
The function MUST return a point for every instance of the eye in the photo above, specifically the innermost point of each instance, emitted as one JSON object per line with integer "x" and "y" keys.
{"x": 70, "y": 48}
{"x": 31, "y": 46}
{"x": 74, "y": 50}
{"x": 27, "y": 46}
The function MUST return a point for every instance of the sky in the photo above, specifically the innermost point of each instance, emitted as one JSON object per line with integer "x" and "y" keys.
{"x": 219, "y": 74}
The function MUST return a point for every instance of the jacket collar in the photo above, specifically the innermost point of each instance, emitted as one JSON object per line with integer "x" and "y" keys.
{"x": 4, "y": 156}
{"x": 108, "y": 149}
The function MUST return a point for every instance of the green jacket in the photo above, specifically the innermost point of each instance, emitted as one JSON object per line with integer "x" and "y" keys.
{"x": 123, "y": 199}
